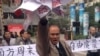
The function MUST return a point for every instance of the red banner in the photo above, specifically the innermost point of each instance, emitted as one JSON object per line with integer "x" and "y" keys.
{"x": 15, "y": 28}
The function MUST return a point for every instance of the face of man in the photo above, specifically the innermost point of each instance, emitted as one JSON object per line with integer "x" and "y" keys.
{"x": 7, "y": 34}
{"x": 54, "y": 34}
{"x": 92, "y": 30}
{"x": 25, "y": 35}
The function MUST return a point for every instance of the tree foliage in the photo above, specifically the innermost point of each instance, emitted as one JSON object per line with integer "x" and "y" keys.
{"x": 63, "y": 23}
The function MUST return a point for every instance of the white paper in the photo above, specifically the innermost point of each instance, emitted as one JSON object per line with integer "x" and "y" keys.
{"x": 84, "y": 45}
{"x": 30, "y": 5}
{"x": 43, "y": 11}
{"x": 21, "y": 50}
{"x": 47, "y": 3}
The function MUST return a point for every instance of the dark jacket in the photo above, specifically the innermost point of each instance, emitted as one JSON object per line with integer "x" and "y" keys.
{"x": 20, "y": 41}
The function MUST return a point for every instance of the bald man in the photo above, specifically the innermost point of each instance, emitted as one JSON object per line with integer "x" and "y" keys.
{"x": 48, "y": 41}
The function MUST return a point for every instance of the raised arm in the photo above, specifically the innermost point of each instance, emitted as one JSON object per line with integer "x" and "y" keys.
{"x": 42, "y": 42}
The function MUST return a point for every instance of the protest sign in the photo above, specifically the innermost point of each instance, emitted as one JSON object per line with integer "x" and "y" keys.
{"x": 43, "y": 11}
{"x": 21, "y": 50}
{"x": 56, "y": 3}
{"x": 30, "y": 5}
{"x": 43, "y": 6}
{"x": 30, "y": 50}
{"x": 84, "y": 45}
{"x": 47, "y": 3}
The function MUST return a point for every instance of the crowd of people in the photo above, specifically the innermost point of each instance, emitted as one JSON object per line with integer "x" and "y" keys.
{"x": 11, "y": 39}
{"x": 48, "y": 41}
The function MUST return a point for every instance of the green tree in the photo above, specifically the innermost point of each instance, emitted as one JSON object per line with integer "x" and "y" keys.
{"x": 63, "y": 23}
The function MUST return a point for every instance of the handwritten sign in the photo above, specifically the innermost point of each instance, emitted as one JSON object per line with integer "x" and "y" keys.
{"x": 47, "y": 3}
{"x": 84, "y": 45}
{"x": 56, "y": 3}
{"x": 30, "y": 5}
{"x": 30, "y": 50}
{"x": 24, "y": 50}
{"x": 43, "y": 11}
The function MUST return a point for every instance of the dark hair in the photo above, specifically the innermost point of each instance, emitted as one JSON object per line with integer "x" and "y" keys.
{"x": 22, "y": 32}
{"x": 50, "y": 25}
{"x": 43, "y": 21}
{"x": 92, "y": 26}
{"x": 4, "y": 34}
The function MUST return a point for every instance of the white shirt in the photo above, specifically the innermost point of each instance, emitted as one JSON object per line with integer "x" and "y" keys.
{"x": 57, "y": 44}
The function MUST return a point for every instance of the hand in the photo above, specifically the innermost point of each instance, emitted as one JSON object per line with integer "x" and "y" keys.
{"x": 43, "y": 21}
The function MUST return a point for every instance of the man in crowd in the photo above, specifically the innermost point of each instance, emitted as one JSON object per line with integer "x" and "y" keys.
{"x": 93, "y": 34}
{"x": 48, "y": 41}
{"x": 8, "y": 40}
{"x": 25, "y": 38}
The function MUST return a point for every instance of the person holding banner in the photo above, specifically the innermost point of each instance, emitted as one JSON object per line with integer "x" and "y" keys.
{"x": 48, "y": 41}
{"x": 93, "y": 34}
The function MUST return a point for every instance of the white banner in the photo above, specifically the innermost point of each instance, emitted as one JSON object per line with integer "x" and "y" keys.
{"x": 30, "y": 5}
{"x": 43, "y": 11}
{"x": 84, "y": 45}
{"x": 47, "y": 3}
{"x": 22, "y": 50}
{"x": 30, "y": 50}
{"x": 42, "y": 7}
